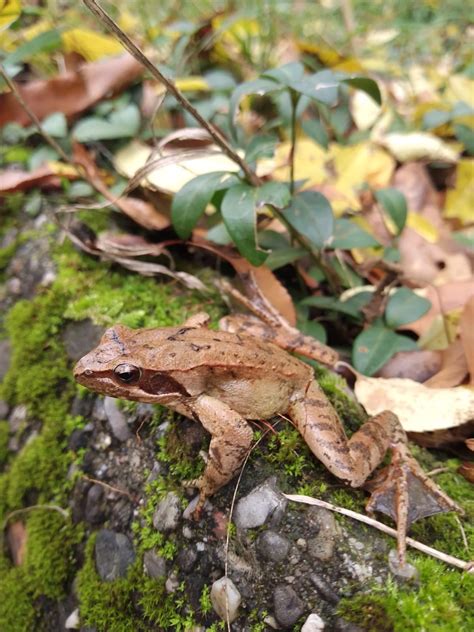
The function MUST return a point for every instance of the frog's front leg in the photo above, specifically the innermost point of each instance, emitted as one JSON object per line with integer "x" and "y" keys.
{"x": 405, "y": 494}
{"x": 231, "y": 437}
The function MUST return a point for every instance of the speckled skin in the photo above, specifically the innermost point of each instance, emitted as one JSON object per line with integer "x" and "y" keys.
{"x": 224, "y": 378}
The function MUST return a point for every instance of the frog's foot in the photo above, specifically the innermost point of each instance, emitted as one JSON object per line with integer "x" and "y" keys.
{"x": 201, "y": 499}
{"x": 405, "y": 493}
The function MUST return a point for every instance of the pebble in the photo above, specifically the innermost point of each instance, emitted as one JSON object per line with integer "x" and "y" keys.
{"x": 225, "y": 599}
{"x": 313, "y": 623}
{"x": 321, "y": 546}
{"x": 172, "y": 583}
{"x": 186, "y": 559}
{"x": 154, "y": 564}
{"x": 261, "y": 505}
{"x": 17, "y": 418}
{"x": 272, "y": 546}
{"x": 116, "y": 419}
{"x": 324, "y": 589}
{"x": 3, "y": 407}
{"x": 94, "y": 511}
{"x": 406, "y": 573}
{"x": 5, "y": 355}
{"x": 80, "y": 337}
{"x": 113, "y": 554}
{"x": 167, "y": 514}
{"x": 72, "y": 622}
{"x": 288, "y": 607}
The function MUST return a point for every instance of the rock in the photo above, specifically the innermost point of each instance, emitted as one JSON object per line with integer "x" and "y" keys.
{"x": 324, "y": 589}
{"x": 94, "y": 511}
{"x": 17, "y": 418}
{"x": 272, "y": 546}
{"x": 3, "y": 408}
{"x": 264, "y": 503}
{"x": 154, "y": 564}
{"x": 79, "y": 438}
{"x": 172, "y": 583}
{"x": 186, "y": 559}
{"x": 406, "y": 573}
{"x": 167, "y": 514}
{"x": 225, "y": 599}
{"x": 313, "y": 623}
{"x": 288, "y": 607}
{"x": 122, "y": 512}
{"x": 321, "y": 547}
{"x": 116, "y": 419}
{"x": 80, "y": 337}
{"x": 5, "y": 354}
{"x": 82, "y": 405}
{"x": 113, "y": 554}
{"x": 72, "y": 622}
{"x": 98, "y": 410}
{"x": 341, "y": 625}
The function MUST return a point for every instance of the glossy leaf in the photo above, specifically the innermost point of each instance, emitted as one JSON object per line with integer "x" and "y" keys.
{"x": 190, "y": 202}
{"x": 374, "y": 346}
{"x": 274, "y": 193}
{"x": 322, "y": 86}
{"x": 257, "y": 86}
{"x": 351, "y": 307}
{"x": 316, "y": 131}
{"x": 367, "y": 85}
{"x": 261, "y": 146}
{"x": 283, "y": 256}
{"x": 238, "y": 210}
{"x": 286, "y": 74}
{"x": 55, "y": 125}
{"x": 347, "y": 234}
{"x": 404, "y": 306}
{"x": 124, "y": 123}
{"x": 394, "y": 202}
{"x": 311, "y": 215}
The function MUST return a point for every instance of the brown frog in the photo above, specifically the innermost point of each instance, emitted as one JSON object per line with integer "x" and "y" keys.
{"x": 224, "y": 378}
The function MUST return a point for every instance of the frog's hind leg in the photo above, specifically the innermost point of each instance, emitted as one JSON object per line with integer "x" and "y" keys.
{"x": 231, "y": 437}
{"x": 405, "y": 493}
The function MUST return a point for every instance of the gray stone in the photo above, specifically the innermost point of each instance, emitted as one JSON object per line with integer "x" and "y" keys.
{"x": 167, "y": 514}
{"x": 17, "y": 418}
{"x": 98, "y": 410}
{"x": 313, "y": 623}
{"x": 154, "y": 564}
{"x": 186, "y": 559}
{"x": 405, "y": 573}
{"x": 272, "y": 546}
{"x": 263, "y": 504}
{"x": 114, "y": 553}
{"x": 80, "y": 337}
{"x": 5, "y": 355}
{"x": 324, "y": 589}
{"x": 321, "y": 546}
{"x": 287, "y": 606}
{"x": 94, "y": 511}
{"x": 72, "y": 622}
{"x": 122, "y": 512}
{"x": 116, "y": 419}
{"x": 3, "y": 409}
{"x": 225, "y": 599}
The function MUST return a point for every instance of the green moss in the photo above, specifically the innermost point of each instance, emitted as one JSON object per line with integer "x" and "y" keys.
{"x": 4, "y": 430}
{"x": 17, "y": 611}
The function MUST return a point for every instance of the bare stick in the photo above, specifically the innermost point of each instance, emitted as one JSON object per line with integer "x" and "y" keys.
{"x": 133, "y": 49}
{"x": 444, "y": 557}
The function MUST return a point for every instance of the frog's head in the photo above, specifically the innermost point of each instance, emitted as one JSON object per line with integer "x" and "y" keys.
{"x": 118, "y": 368}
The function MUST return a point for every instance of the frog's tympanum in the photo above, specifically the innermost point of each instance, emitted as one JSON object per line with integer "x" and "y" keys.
{"x": 224, "y": 378}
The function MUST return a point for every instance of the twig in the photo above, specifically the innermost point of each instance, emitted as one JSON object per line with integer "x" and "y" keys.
{"x": 444, "y": 557}
{"x": 63, "y": 512}
{"x": 133, "y": 49}
{"x": 294, "y": 103}
{"x": 123, "y": 492}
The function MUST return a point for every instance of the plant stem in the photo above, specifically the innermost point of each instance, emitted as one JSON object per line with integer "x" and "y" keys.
{"x": 133, "y": 49}
{"x": 294, "y": 103}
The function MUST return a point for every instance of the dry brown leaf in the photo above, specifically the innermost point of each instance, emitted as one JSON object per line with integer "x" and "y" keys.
{"x": 470, "y": 444}
{"x": 419, "y": 408}
{"x": 43, "y": 177}
{"x": 453, "y": 367}
{"x": 467, "y": 471}
{"x": 467, "y": 335}
{"x": 16, "y": 541}
{"x": 418, "y": 365}
{"x": 128, "y": 245}
{"x": 71, "y": 92}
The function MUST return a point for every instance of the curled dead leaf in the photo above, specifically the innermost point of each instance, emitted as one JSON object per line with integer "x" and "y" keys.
{"x": 44, "y": 177}
{"x": 418, "y": 365}
{"x": 16, "y": 537}
{"x": 453, "y": 367}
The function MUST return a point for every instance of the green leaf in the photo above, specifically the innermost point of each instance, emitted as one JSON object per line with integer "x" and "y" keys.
{"x": 316, "y": 131}
{"x": 257, "y": 86}
{"x": 394, "y": 202}
{"x": 322, "y": 86}
{"x": 404, "y": 306}
{"x": 374, "y": 346}
{"x": 466, "y": 136}
{"x": 286, "y": 74}
{"x": 80, "y": 189}
{"x": 274, "y": 193}
{"x": 283, "y": 256}
{"x": 191, "y": 200}
{"x": 123, "y": 123}
{"x": 435, "y": 118}
{"x": 367, "y": 85}
{"x": 262, "y": 146}
{"x": 238, "y": 210}
{"x": 219, "y": 235}
{"x": 55, "y": 125}
{"x": 347, "y": 234}
{"x": 351, "y": 307}
{"x": 43, "y": 43}
{"x": 311, "y": 215}
{"x": 40, "y": 156}
{"x": 314, "y": 329}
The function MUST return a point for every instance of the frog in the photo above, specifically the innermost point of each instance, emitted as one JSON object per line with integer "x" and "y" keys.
{"x": 226, "y": 378}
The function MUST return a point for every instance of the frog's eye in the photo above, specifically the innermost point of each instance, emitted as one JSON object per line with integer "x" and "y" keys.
{"x": 127, "y": 373}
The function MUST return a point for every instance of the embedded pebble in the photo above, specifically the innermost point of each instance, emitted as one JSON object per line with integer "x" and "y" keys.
{"x": 407, "y": 573}
{"x": 80, "y": 337}
{"x": 154, "y": 564}
{"x": 94, "y": 511}
{"x": 116, "y": 419}
{"x": 321, "y": 546}
{"x": 288, "y": 607}
{"x": 17, "y": 418}
{"x": 262, "y": 504}
{"x": 113, "y": 554}
{"x": 313, "y": 623}
{"x": 167, "y": 514}
{"x": 3, "y": 408}
{"x": 172, "y": 583}
{"x": 272, "y": 546}
{"x": 5, "y": 355}
{"x": 324, "y": 589}
{"x": 186, "y": 559}
{"x": 72, "y": 622}
{"x": 225, "y": 599}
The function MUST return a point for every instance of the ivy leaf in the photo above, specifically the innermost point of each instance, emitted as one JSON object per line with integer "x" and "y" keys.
{"x": 374, "y": 346}
{"x": 322, "y": 86}
{"x": 262, "y": 146}
{"x": 394, "y": 202}
{"x": 348, "y": 234}
{"x": 238, "y": 210}
{"x": 274, "y": 193}
{"x": 311, "y": 215}
{"x": 367, "y": 85}
{"x": 404, "y": 306}
{"x": 191, "y": 200}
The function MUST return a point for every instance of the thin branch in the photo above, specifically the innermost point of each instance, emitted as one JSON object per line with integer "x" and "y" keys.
{"x": 294, "y": 103}
{"x": 133, "y": 49}
{"x": 444, "y": 557}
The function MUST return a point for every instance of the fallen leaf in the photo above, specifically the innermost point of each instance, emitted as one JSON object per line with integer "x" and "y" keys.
{"x": 90, "y": 44}
{"x": 467, "y": 335}
{"x": 16, "y": 537}
{"x": 309, "y": 162}
{"x": 364, "y": 110}
{"x": 459, "y": 201}
{"x": 467, "y": 471}
{"x": 9, "y": 12}
{"x": 418, "y": 146}
{"x": 71, "y": 92}
{"x": 44, "y": 177}
{"x": 417, "y": 365}
{"x": 418, "y": 407}
{"x": 453, "y": 367}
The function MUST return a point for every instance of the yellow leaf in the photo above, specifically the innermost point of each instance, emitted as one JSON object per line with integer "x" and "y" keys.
{"x": 89, "y": 44}
{"x": 127, "y": 21}
{"x": 460, "y": 88}
{"x": 191, "y": 84}
{"x": 460, "y": 200}
{"x": 423, "y": 227}
{"x": 309, "y": 162}
{"x": 441, "y": 332}
{"x": 9, "y": 12}
{"x": 409, "y": 146}
{"x": 328, "y": 55}
{"x": 232, "y": 37}
{"x": 62, "y": 169}
{"x": 365, "y": 111}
